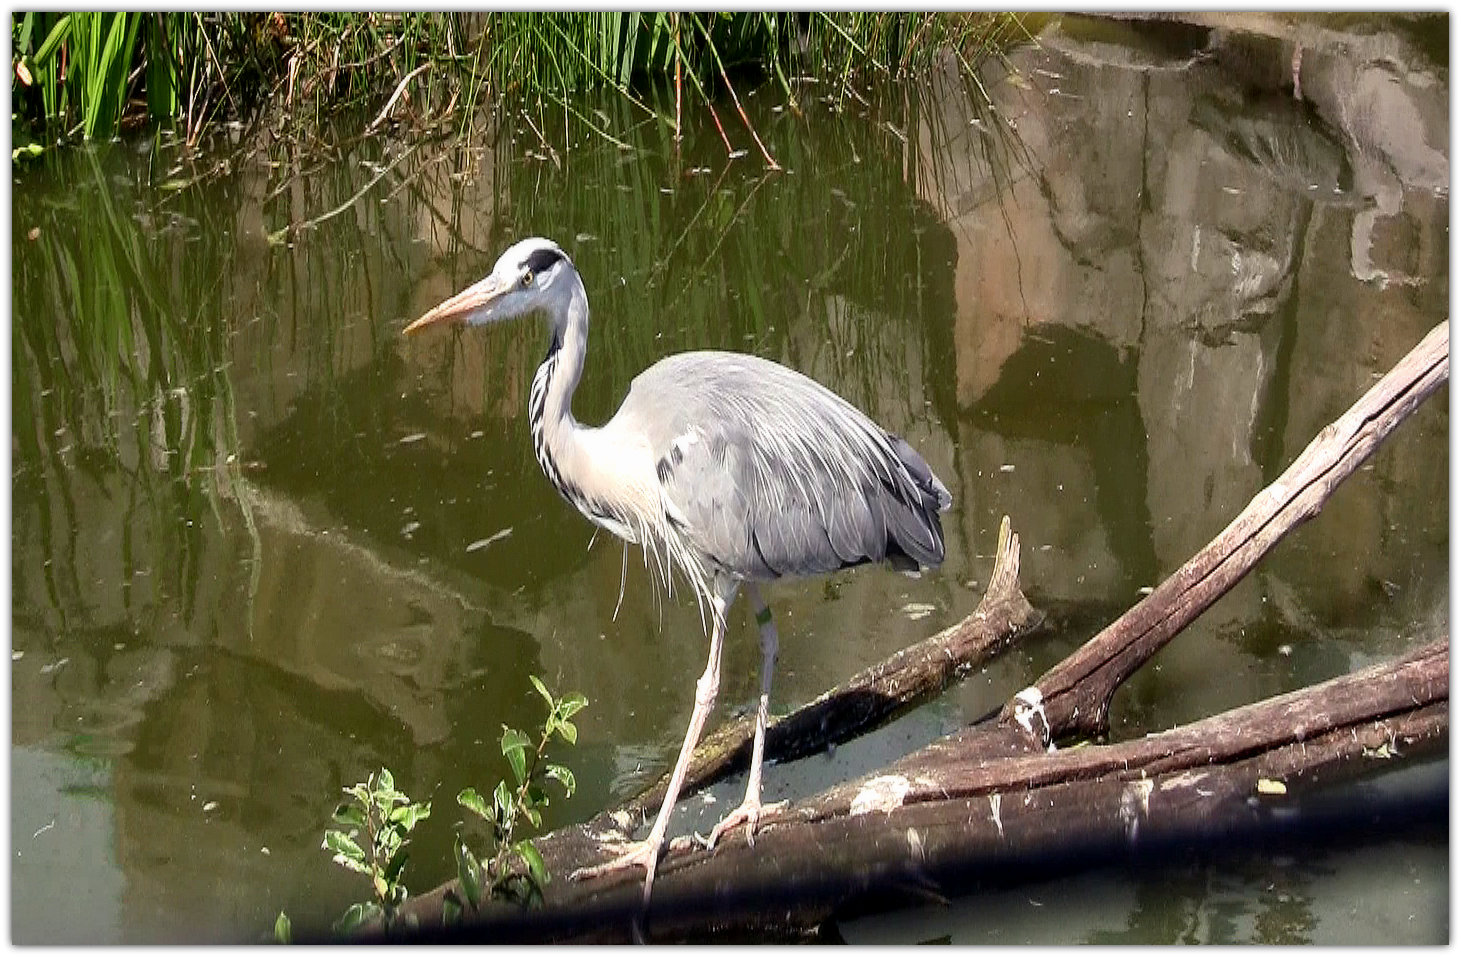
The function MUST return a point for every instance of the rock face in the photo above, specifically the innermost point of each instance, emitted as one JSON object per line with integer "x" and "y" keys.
{"x": 1248, "y": 252}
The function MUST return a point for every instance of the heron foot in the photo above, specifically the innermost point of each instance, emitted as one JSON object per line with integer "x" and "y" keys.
{"x": 749, "y": 814}
{"x": 643, "y": 854}
{"x": 630, "y": 854}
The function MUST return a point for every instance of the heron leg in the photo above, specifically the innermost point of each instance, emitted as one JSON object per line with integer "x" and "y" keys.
{"x": 749, "y": 812}
{"x": 646, "y": 853}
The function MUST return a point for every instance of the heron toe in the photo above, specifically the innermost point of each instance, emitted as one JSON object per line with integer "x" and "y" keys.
{"x": 749, "y": 814}
{"x": 632, "y": 854}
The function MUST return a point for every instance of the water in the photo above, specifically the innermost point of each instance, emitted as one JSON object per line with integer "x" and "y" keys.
{"x": 263, "y": 545}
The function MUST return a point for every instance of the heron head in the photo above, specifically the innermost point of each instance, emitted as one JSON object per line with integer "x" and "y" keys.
{"x": 527, "y": 277}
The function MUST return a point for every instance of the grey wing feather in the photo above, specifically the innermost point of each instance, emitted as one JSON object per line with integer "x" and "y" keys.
{"x": 771, "y": 474}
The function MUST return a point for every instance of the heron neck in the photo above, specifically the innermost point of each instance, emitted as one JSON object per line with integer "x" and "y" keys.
{"x": 550, "y": 407}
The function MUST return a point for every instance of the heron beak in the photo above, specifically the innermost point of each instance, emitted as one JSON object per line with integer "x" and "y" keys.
{"x": 459, "y": 307}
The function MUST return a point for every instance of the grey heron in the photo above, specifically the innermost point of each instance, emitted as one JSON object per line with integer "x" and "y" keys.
{"x": 733, "y": 469}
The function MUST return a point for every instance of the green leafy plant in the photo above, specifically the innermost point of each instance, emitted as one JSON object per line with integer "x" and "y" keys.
{"x": 516, "y": 871}
{"x": 382, "y": 816}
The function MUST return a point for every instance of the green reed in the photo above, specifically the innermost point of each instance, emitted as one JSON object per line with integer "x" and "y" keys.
{"x": 96, "y": 73}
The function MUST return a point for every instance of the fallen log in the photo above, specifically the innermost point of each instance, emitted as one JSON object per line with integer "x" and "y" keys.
{"x": 920, "y": 829}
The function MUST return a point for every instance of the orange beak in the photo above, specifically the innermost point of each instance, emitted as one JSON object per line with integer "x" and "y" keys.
{"x": 459, "y": 307}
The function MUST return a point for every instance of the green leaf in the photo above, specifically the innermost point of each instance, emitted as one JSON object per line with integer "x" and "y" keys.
{"x": 408, "y": 815}
{"x": 502, "y": 801}
{"x": 354, "y": 916}
{"x": 534, "y": 861}
{"x": 631, "y": 40}
{"x": 567, "y": 732}
{"x": 541, "y": 689}
{"x": 514, "y": 748}
{"x": 513, "y": 739}
{"x": 340, "y": 843}
{"x": 571, "y": 705}
{"x": 469, "y": 872}
{"x": 385, "y": 781}
{"x": 22, "y": 39}
{"x": 352, "y": 865}
{"x": 386, "y": 798}
{"x": 58, "y": 34}
{"x": 563, "y": 776}
{"x": 534, "y": 816}
{"x": 350, "y": 816}
{"x": 519, "y": 763}
{"x": 283, "y": 930}
{"x": 396, "y": 865}
{"x": 472, "y": 801}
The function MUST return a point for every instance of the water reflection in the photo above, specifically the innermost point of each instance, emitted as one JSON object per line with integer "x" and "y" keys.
{"x": 262, "y": 544}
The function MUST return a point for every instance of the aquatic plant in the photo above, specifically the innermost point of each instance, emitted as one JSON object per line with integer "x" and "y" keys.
{"x": 98, "y": 72}
{"x": 372, "y": 828}
{"x": 371, "y": 839}
{"x": 511, "y": 805}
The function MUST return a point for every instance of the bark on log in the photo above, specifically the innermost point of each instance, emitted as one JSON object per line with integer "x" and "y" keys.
{"x": 870, "y": 698}
{"x": 1074, "y": 697}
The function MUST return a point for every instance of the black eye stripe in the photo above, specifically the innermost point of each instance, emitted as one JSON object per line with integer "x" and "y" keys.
{"x": 541, "y": 259}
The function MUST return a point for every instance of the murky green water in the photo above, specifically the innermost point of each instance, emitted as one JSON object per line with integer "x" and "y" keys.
{"x": 262, "y": 545}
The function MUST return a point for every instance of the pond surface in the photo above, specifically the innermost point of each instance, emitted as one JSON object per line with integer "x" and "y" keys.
{"x": 263, "y": 545}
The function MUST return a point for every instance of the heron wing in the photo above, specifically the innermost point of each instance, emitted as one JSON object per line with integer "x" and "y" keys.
{"x": 769, "y": 474}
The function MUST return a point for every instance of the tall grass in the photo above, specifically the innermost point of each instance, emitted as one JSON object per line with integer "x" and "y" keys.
{"x": 96, "y": 73}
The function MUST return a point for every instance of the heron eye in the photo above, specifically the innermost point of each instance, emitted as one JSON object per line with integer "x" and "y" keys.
{"x": 528, "y": 278}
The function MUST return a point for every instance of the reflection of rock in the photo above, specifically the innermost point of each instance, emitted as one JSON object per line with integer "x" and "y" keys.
{"x": 1349, "y": 563}
{"x": 229, "y": 707}
{"x": 1187, "y": 210}
{"x": 1277, "y": 135}
{"x": 1218, "y": 242}
{"x": 1200, "y": 477}
{"x": 1384, "y": 94}
{"x": 387, "y": 643}
{"x": 1056, "y": 249}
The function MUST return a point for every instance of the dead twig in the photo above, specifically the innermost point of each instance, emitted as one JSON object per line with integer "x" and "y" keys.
{"x": 400, "y": 89}
{"x": 770, "y": 161}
